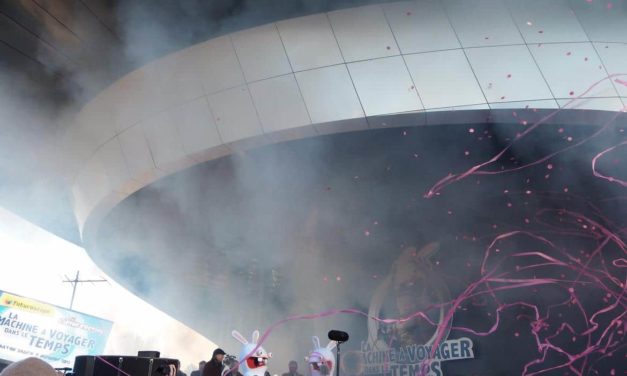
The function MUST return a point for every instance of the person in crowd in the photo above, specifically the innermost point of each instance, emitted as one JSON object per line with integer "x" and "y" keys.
{"x": 29, "y": 367}
{"x": 179, "y": 372}
{"x": 214, "y": 367}
{"x": 293, "y": 368}
{"x": 198, "y": 372}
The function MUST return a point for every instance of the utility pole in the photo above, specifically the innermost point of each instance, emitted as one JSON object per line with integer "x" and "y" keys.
{"x": 75, "y": 283}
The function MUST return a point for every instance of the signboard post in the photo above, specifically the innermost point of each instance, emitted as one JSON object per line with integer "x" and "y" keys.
{"x": 29, "y": 327}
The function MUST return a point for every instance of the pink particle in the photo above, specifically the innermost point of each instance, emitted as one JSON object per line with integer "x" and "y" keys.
{"x": 506, "y": 191}
{"x": 467, "y": 152}
{"x": 497, "y": 250}
{"x": 326, "y": 279}
{"x": 528, "y": 192}
{"x": 569, "y": 138}
{"x": 338, "y": 278}
{"x": 404, "y": 133}
{"x": 561, "y": 130}
{"x": 571, "y": 290}
{"x": 367, "y": 233}
{"x": 450, "y": 212}
{"x": 524, "y": 122}
{"x": 471, "y": 130}
{"x": 529, "y": 23}
{"x": 610, "y": 5}
{"x": 527, "y": 220}
{"x": 612, "y": 372}
{"x": 549, "y": 166}
{"x": 516, "y": 334}
{"x": 376, "y": 223}
{"x": 509, "y": 204}
{"x": 415, "y": 155}
{"x": 574, "y": 339}
{"x": 622, "y": 82}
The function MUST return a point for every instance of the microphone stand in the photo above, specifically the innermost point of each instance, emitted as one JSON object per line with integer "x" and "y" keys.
{"x": 337, "y": 359}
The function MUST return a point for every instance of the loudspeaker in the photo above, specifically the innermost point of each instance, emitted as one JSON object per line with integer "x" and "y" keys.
{"x": 119, "y": 365}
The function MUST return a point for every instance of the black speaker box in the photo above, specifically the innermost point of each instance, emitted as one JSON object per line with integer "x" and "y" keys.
{"x": 112, "y": 365}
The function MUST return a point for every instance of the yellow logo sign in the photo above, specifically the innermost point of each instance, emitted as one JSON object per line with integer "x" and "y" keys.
{"x": 25, "y": 304}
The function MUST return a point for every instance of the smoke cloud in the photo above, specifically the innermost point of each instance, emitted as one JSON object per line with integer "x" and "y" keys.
{"x": 295, "y": 228}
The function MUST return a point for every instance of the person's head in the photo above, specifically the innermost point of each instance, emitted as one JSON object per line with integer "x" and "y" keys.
{"x": 293, "y": 366}
{"x": 201, "y": 365}
{"x": 218, "y": 354}
{"x": 29, "y": 367}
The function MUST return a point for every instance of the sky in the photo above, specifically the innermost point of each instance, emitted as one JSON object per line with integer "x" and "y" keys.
{"x": 34, "y": 264}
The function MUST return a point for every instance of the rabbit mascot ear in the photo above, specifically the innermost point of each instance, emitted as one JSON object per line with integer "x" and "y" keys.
{"x": 316, "y": 342}
{"x": 240, "y": 338}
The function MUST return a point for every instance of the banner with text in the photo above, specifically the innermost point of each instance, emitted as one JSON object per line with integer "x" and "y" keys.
{"x": 31, "y": 328}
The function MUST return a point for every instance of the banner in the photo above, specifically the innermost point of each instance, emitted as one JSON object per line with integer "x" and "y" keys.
{"x": 411, "y": 347}
{"x": 31, "y": 328}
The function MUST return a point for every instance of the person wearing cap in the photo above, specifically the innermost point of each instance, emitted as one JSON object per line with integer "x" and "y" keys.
{"x": 214, "y": 367}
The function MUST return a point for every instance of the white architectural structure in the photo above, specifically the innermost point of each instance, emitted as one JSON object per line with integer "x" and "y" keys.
{"x": 395, "y": 64}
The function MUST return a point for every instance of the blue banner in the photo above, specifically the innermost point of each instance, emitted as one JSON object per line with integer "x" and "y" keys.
{"x": 29, "y": 327}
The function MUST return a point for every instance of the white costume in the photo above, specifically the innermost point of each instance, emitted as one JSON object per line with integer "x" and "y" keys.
{"x": 321, "y": 360}
{"x": 256, "y": 364}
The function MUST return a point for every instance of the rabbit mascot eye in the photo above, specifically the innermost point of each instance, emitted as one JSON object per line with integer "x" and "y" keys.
{"x": 255, "y": 364}
{"x": 321, "y": 360}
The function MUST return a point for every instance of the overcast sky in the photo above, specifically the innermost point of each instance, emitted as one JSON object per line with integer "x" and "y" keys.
{"x": 34, "y": 264}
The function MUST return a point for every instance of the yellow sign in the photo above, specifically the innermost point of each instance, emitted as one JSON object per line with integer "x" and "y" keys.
{"x": 25, "y": 304}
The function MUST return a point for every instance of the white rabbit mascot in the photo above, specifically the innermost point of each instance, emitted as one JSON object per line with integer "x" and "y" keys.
{"x": 257, "y": 363}
{"x": 321, "y": 360}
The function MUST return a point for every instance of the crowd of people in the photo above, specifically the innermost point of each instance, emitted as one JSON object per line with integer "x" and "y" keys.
{"x": 214, "y": 367}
